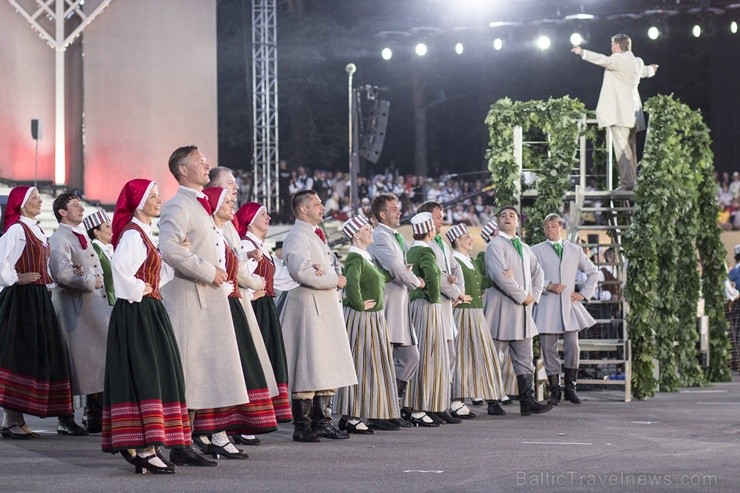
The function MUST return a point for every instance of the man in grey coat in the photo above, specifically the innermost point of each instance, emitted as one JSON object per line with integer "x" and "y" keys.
{"x": 512, "y": 301}
{"x": 388, "y": 251}
{"x": 560, "y": 311}
{"x": 195, "y": 299}
{"x": 81, "y": 305}
{"x": 316, "y": 343}
{"x": 619, "y": 106}
{"x": 452, "y": 285}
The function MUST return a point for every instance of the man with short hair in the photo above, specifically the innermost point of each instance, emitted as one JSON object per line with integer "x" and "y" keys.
{"x": 560, "y": 311}
{"x": 195, "y": 299}
{"x": 619, "y": 106}
{"x": 81, "y": 305}
{"x": 452, "y": 285}
{"x": 312, "y": 319}
{"x": 388, "y": 251}
{"x": 511, "y": 302}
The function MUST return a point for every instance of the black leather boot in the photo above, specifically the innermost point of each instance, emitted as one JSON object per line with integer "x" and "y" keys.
{"x": 92, "y": 420}
{"x": 527, "y": 402}
{"x": 187, "y": 456}
{"x": 67, "y": 426}
{"x": 570, "y": 385}
{"x": 321, "y": 419}
{"x": 554, "y": 389}
{"x": 301, "y": 409}
{"x": 401, "y": 422}
{"x": 495, "y": 409}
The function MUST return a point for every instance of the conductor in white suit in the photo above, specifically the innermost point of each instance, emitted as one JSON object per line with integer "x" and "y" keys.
{"x": 560, "y": 311}
{"x": 619, "y": 106}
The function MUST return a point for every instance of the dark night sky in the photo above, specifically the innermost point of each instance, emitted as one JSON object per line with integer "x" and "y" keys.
{"x": 315, "y": 45}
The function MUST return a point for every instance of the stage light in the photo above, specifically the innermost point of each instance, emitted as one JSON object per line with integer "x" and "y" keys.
{"x": 653, "y": 33}
{"x": 459, "y": 48}
{"x": 733, "y": 27}
{"x": 387, "y": 53}
{"x": 543, "y": 42}
{"x": 498, "y": 43}
{"x": 696, "y": 30}
{"x": 421, "y": 49}
{"x": 576, "y": 39}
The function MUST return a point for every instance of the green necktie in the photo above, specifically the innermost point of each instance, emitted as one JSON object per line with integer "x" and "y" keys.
{"x": 558, "y": 249}
{"x": 399, "y": 239}
{"x": 518, "y": 245}
{"x": 438, "y": 240}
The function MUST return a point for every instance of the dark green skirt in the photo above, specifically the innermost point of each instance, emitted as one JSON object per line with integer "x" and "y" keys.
{"x": 269, "y": 322}
{"x": 34, "y": 366}
{"x": 144, "y": 399}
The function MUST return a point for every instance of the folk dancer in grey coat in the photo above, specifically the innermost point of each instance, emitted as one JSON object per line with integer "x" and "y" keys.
{"x": 196, "y": 299}
{"x": 513, "y": 301}
{"x": 316, "y": 344}
{"x": 452, "y": 285}
{"x": 81, "y": 305}
{"x": 560, "y": 311}
{"x": 619, "y": 106}
{"x": 388, "y": 251}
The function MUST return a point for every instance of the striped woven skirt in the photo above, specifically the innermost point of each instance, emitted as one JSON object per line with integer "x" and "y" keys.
{"x": 144, "y": 397}
{"x": 429, "y": 389}
{"x": 478, "y": 371}
{"x": 269, "y": 323}
{"x": 375, "y": 396}
{"x": 258, "y": 415}
{"x": 34, "y": 367}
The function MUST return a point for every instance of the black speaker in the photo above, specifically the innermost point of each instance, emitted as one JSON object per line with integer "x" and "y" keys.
{"x": 374, "y": 137}
{"x": 35, "y": 129}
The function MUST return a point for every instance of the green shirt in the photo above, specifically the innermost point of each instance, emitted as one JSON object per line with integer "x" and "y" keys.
{"x": 364, "y": 282}
{"x": 425, "y": 266}
{"x": 473, "y": 285}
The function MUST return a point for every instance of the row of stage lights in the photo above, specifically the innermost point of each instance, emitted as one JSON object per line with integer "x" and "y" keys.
{"x": 543, "y": 42}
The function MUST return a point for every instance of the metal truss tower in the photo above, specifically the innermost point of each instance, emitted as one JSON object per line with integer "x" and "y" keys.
{"x": 265, "y": 103}
{"x": 49, "y": 18}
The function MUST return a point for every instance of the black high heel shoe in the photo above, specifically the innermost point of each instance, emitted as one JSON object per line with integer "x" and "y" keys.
{"x": 345, "y": 425}
{"x": 131, "y": 459}
{"x": 141, "y": 463}
{"x": 15, "y": 432}
{"x": 204, "y": 447}
{"x": 158, "y": 451}
{"x": 423, "y": 422}
{"x": 217, "y": 450}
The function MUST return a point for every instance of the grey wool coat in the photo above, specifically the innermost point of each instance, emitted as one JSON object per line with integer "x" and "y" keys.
{"x": 198, "y": 310}
{"x": 246, "y": 282}
{"x": 450, "y": 291}
{"x": 508, "y": 319}
{"x": 312, "y": 319}
{"x": 389, "y": 256}
{"x": 82, "y": 310}
{"x": 556, "y": 313}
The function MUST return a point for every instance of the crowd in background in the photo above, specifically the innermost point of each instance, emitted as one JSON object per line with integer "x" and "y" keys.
{"x": 728, "y": 196}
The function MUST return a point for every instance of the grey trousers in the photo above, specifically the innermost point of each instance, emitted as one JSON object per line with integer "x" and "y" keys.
{"x": 406, "y": 360}
{"x": 521, "y": 355}
{"x": 571, "y": 351}
{"x": 624, "y": 143}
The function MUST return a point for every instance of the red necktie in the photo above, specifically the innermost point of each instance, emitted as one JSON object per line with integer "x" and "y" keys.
{"x": 206, "y": 205}
{"x": 83, "y": 240}
{"x": 320, "y": 233}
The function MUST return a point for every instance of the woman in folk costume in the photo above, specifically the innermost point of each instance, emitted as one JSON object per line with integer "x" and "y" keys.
{"x": 375, "y": 395}
{"x": 489, "y": 231}
{"x": 144, "y": 398}
{"x": 100, "y": 231}
{"x": 34, "y": 366}
{"x": 252, "y": 222}
{"x": 257, "y": 416}
{"x": 478, "y": 371}
{"x": 429, "y": 389}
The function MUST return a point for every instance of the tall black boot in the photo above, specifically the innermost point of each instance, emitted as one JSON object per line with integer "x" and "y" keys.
{"x": 554, "y": 388}
{"x": 570, "y": 385}
{"x": 527, "y": 402}
{"x": 301, "y": 409}
{"x": 495, "y": 409}
{"x": 93, "y": 417}
{"x": 321, "y": 419}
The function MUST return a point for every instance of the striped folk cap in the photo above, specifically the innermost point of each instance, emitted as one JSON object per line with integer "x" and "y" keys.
{"x": 456, "y": 232}
{"x": 352, "y": 226}
{"x": 95, "y": 219}
{"x": 490, "y": 228}
{"x": 422, "y": 223}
